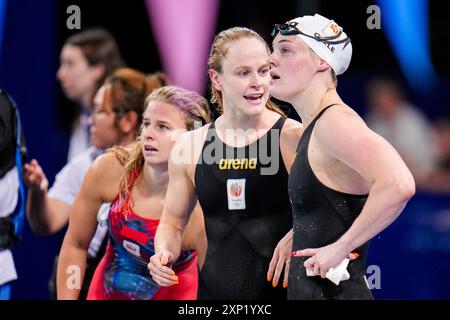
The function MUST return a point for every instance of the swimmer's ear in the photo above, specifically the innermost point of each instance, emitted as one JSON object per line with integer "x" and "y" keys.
{"x": 98, "y": 71}
{"x": 322, "y": 65}
{"x": 215, "y": 80}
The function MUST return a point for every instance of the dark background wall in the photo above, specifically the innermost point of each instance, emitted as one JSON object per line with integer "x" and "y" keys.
{"x": 36, "y": 30}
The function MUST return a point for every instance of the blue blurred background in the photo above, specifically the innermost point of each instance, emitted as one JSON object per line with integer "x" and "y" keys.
{"x": 412, "y": 46}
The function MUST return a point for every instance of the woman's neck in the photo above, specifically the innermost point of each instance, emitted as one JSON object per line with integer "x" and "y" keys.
{"x": 239, "y": 130}
{"x": 234, "y": 119}
{"x": 86, "y": 100}
{"x": 313, "y": 100}
{"x": 155, "y": 179}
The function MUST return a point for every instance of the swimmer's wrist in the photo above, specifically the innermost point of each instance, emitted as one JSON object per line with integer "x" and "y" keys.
{"x": 345, "y": 244}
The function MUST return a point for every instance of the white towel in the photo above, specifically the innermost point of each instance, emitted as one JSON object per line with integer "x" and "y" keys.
{"x": 336, "y": 274}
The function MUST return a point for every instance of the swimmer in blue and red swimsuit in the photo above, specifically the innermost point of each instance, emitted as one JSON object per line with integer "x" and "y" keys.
{"x": 123, "y": 275}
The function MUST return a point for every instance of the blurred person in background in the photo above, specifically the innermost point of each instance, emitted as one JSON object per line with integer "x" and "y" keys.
{"x": 86, "y": 59}
{"x": 438, "y": 180}
{"x": 402, "y": 124}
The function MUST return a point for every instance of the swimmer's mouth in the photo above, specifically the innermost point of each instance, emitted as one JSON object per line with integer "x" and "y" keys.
{"x": 253, "y": 96}
{"x": 150, "y": 148}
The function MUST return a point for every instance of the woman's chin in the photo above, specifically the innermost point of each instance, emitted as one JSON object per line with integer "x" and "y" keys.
{"x": 100, "y": 144}
{"x": 279, "y": 95}
{"x": 154, "y": 160}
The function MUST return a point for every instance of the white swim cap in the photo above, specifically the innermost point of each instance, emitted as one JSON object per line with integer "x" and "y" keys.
{"x": 324, "y": 37}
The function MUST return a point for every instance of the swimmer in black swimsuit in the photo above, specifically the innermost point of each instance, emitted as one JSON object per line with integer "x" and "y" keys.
{"x": 347, "y": 183}
{"x": 238, "y": 170}
{"x": 243, "y": 238}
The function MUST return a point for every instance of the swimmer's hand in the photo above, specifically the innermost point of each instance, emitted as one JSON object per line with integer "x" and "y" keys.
{"x": 322, "y": 259}
{"x": 160, "y": 267}
{"x": 281, "y": 259}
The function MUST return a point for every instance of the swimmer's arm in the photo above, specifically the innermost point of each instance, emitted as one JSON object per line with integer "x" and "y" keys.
{"x": 289, "y": 138}
{"x": 194, "y": 237}
{"x": 390, "y": 182}
{"x": 178, "y": 205}
{"x": 82, "y": 226}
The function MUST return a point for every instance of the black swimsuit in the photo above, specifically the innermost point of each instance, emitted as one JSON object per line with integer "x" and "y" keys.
{"x": 321, "y": 216}
{"x": 246, "y": 212}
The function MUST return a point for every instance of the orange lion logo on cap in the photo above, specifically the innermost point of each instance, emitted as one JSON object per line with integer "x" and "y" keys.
{"x": 334, "y": 28}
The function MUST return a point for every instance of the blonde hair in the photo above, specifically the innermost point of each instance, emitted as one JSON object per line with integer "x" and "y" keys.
{"x": 195, "y": 110}
{"x": 219, "y": 50}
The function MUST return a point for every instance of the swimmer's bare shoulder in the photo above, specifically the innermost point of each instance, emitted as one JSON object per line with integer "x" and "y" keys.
{"x": 188, "y": 148}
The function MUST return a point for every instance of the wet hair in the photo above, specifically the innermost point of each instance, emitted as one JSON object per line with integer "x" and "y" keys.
{"x": 219, "y": 51}
{"x": 194, "y": 107}
{"x": 195, "y": 110}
